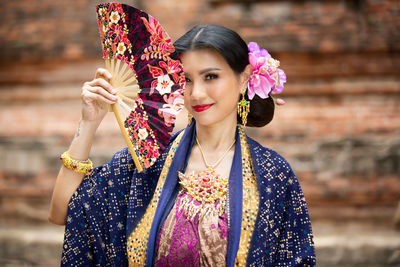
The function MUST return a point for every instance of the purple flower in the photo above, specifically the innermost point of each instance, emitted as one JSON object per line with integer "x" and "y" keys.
{"x": 253, "y": 46}
{"x": 259, "y": 83}
{"x": 266, "y": 76}
{"x": 255, "y": 49}
{"x": 281, "y": 80}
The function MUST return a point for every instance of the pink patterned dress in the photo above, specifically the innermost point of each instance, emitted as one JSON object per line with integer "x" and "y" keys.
{"x": 195, "y": 233}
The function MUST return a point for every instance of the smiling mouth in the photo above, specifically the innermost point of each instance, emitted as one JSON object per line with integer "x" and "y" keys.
{"x": 200, "y": 108}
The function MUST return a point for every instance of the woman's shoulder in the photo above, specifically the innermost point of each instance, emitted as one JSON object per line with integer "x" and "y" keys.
{"x": 267, "y": 157}
{"x": 124, "y": 157}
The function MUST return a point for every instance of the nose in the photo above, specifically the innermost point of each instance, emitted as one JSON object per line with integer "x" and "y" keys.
{"x": 197, "y": 91}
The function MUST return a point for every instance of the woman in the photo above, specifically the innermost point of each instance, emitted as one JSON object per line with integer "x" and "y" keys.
{"x": 214, "y": 198}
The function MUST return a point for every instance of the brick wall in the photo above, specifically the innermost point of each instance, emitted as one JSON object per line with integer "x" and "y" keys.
{"x": 37, "y": 30}
{"x": 340, "y": 128}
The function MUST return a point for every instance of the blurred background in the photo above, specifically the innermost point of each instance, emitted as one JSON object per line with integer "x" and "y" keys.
{"x": 340, "y": 128}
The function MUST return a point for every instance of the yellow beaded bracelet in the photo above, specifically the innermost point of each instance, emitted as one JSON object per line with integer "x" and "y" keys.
{"x": 77, "y": 165}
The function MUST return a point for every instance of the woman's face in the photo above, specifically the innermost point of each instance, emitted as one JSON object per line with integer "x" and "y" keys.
{"x": 212, "y": 87}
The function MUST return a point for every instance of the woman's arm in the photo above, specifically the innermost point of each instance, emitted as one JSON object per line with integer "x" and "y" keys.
{"x": 95, "y": 94}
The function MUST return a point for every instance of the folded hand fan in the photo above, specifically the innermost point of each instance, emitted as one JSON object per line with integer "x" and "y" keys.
{"x": 147, "y": 75}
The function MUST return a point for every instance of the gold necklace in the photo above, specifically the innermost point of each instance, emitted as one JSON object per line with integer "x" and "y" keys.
{"x": 213, "y": 166}
{"x": 205, "y": 187}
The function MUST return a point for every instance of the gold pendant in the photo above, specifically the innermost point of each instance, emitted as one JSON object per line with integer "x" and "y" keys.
{"x": 205, "y": 187}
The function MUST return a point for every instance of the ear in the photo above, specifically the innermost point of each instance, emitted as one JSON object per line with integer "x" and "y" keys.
{"x": 245, "y": 76}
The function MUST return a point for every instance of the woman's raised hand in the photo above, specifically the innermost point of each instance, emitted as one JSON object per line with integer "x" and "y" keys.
{"x": 96, "y": 96}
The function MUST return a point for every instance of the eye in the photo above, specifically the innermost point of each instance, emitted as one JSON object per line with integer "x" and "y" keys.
{"x": 187, "y": 79}
{"x": 211, "y": 76}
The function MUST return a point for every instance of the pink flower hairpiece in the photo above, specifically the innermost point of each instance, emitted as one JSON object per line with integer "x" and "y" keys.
{"x": 266, "y": 76}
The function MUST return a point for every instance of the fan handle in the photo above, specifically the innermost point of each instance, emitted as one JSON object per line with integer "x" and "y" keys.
{"x": 126, "y": 137}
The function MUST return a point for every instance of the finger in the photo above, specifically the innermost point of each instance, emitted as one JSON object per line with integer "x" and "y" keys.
{"x": 103, "y": 83}
{"x": 90, "y": 96}
{"x": 280, "y": 101}
{"x": 103, "y": 73}
{"x": 101, "y": 91}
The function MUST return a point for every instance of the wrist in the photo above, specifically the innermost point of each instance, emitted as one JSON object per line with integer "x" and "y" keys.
{"x": 90, "y": 124}
{"x": 87, "y": 128}
{"x": 82, "y": 141}
{"x": 76, "y": 165}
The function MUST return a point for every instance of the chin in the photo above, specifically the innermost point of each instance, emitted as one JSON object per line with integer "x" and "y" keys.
{"x": 204, "y": 122}
{"x": 212, "y": 120}
{"x": 212, "y": 117}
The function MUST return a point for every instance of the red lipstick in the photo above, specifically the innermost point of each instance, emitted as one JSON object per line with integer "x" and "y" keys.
{"x": 200, "y": 108}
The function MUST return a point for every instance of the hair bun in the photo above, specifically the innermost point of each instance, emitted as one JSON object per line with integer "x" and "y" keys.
{"x": 261, "y": 112}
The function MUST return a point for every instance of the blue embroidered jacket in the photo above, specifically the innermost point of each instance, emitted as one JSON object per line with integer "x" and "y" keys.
{"x": 109, "y": 203}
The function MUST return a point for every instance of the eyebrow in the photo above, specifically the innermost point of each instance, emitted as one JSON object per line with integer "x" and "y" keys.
{"x": 207, "y": 70}
{"x": 204, "y": 71}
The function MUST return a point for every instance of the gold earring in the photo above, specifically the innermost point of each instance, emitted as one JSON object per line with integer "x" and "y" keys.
{"x": 243, "y": 109}
{"x": 190, "y": 117}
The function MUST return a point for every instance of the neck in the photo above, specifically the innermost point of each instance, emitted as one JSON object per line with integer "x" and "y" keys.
{"x": 218, "y": 136}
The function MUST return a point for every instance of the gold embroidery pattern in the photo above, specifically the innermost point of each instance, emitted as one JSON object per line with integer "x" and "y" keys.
{"x": 250, "y": 202}
{"x": 137, "y": 241}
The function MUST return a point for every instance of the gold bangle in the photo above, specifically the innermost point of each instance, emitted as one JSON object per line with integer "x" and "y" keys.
{"x": 77, "y": 165}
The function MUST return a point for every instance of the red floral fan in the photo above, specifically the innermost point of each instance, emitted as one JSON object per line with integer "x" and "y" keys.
{"x": 147, "y": 75}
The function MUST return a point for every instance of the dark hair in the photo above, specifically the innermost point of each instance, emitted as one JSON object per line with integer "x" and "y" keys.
{"x": 234, "y": 50}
